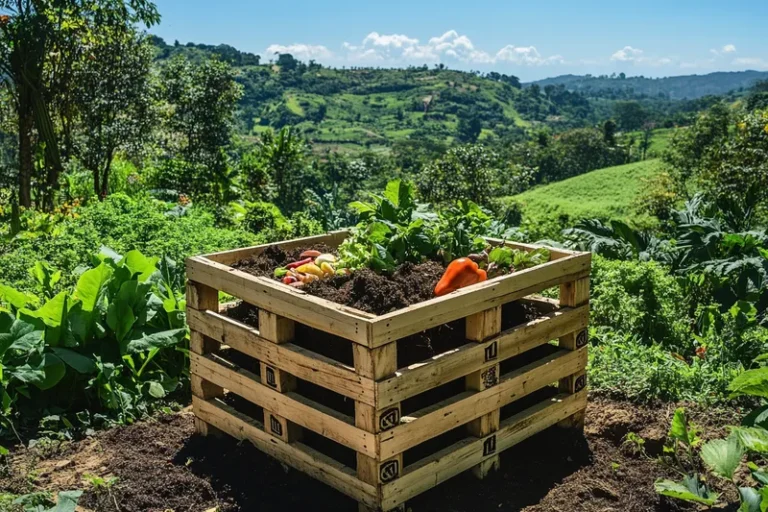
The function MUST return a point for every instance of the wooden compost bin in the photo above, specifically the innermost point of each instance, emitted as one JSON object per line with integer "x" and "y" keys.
{"x": 379, "y": 433}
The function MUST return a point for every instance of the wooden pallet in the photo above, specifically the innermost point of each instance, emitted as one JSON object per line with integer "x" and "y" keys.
{"x": 471, "y": 422}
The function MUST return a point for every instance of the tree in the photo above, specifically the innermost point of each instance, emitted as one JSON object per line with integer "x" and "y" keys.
{"x": 469, "y": 127}
{"x": 114, "y": 95}
{"x": 609, "y": 132}
{"x": 630, "y": 115}
{"x": 464, "y": 172}
{"x": 284, "y": 156}
{"x": 645, "y": 142}
{"x": 200, "y": 104}
{"x": 40, "y": 41}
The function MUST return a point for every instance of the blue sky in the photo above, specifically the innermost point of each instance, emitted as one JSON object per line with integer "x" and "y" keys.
{"x": 529, "y": 39}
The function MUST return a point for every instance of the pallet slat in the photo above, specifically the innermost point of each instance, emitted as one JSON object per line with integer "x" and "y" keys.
{"x": 469, "y": 452}
{"x": 282, "y": 300}
{"x": 291, "y": 406}
{"x": 448, "y": 366}
{"x": 296, "y": 455}
{"x": 459, "y": 410}
{"x": 298, "y": 361}
{"x": 332, "y": 239}
{"x": 476, "y": 298}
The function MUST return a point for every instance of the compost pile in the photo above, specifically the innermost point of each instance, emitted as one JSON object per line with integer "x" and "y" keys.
{"x": 363, "y": 289}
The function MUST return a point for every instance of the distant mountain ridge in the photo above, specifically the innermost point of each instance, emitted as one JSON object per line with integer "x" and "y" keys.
{"x": 673, "y": 87}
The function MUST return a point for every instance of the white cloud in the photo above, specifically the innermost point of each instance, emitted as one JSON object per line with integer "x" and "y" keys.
{"x": 628, "y": 54}
{"x": 752, "y": 62}
{"x": 390, "y": 40}
{"x": 527, "y": 55}
{"x": 301, "y": 51}
{"x": 729, "y": 48}
{"x": 632, "y": 55}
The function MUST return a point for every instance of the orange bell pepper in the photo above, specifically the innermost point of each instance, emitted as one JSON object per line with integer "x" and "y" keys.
{"x": 460, "y": 273}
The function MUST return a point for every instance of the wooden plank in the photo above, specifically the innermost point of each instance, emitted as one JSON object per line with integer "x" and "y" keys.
{"x": 283, "y": 300}
{"x": 375, "y": 364}
{"x": 204, "y": 297}
{"x": 575, "y": 293}
{"x": 454, "y": 364}
{"x": 476, "y": 298}
{"x": 298, "y": 361}
{"x": 459, "y": 457}
{"x": 277, "y": 330}
{"x": 292, "y": 406}
{"x": 200, "y": 296}
{"x": 332, "y": 239}
{"x": 296, "y": 455}
{"x": 465, "y": 407}
{"x": 480, "y": 327}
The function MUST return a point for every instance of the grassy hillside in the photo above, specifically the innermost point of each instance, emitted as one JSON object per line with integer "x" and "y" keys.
{"x": 673, "y": 87}
{"x": 609, "y": 193}
{"x": 660, "y": 139}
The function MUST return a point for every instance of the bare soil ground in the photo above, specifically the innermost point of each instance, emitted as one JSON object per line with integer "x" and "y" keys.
{"x": 161, "y": 465}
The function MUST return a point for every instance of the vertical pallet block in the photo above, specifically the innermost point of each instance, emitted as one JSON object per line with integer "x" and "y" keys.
{"x": 397, "y": 452}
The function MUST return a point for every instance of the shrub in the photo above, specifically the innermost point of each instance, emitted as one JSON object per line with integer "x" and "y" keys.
{"x": 625, "y": 367}
{"x": 123, "y": 224}
{"x": 641, "y": 299}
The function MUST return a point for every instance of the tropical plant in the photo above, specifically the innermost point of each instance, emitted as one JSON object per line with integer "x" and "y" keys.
{"x": 117, "y": 339}
{"x": 723, "y": 457}
{"x": 617, "y": 240}
{"x": 391, "y": 231}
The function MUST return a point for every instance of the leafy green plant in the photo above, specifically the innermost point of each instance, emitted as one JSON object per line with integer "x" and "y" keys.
{"x": 391, "y": 231}
{"x": 66, "y": 501}
{"x": 118, "y": 338}
{"x": 723, "y": 457}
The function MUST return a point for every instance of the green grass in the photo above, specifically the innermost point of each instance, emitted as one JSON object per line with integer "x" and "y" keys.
{"x": 660, "y": 139}
{"x": 609, "y": 193}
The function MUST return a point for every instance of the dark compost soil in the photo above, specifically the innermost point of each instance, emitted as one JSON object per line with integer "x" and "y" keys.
{"x": 161, "y": 465}
{"x": 364, "y": 289}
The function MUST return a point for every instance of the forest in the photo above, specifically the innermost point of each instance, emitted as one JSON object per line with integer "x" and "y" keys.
{"x": 123, "y": 155}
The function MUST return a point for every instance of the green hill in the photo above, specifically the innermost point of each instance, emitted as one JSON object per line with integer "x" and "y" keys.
{"x": 673, "y": 87}
{"x": 609, "y": 193}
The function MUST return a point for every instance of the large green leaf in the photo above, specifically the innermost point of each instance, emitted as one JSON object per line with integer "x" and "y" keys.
{"x": 140, "y": 264}
{"x": 156, "y": 389}
{"x": 66, "y": 501}
{"x": 82, "y": 364}
{"x": 54, "y": 372}
{"x": 678, "y": 429}
{"x": 688, "y": 490}
{"x": 750, "y": 499}
{"x": 162, "y": 339}
{"x": 16, "y": 298}
{"x": 753, "y": 439}
{"x": 52, "y": 312}
{"x": 91, "y": 285}
{"x": 17, "y": 334}
{"x": 758, "y": 417}
{"x": 722, "y": 456}
{"x": 752, "y": 382}
{"x": 120, "y": 319}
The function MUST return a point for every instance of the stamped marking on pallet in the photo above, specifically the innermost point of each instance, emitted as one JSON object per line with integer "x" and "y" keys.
{"x": 389, "y": 419}
{"x": 490, "y": 377}
{"x": 275, "y": 426}
{"x": 271, "y": 380}
{"x": 581, "y": 339}
{"x": 492, "y": 351}
{"x": 581, "y": 383}
{"x": 389, "y": 470}
{"x": 489, "y": 446}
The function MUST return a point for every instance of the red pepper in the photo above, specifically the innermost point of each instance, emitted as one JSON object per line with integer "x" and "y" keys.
{"x": 460, "y": 273}
{"x": 298, "y": 263}
{"x": 289, "y": 280}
